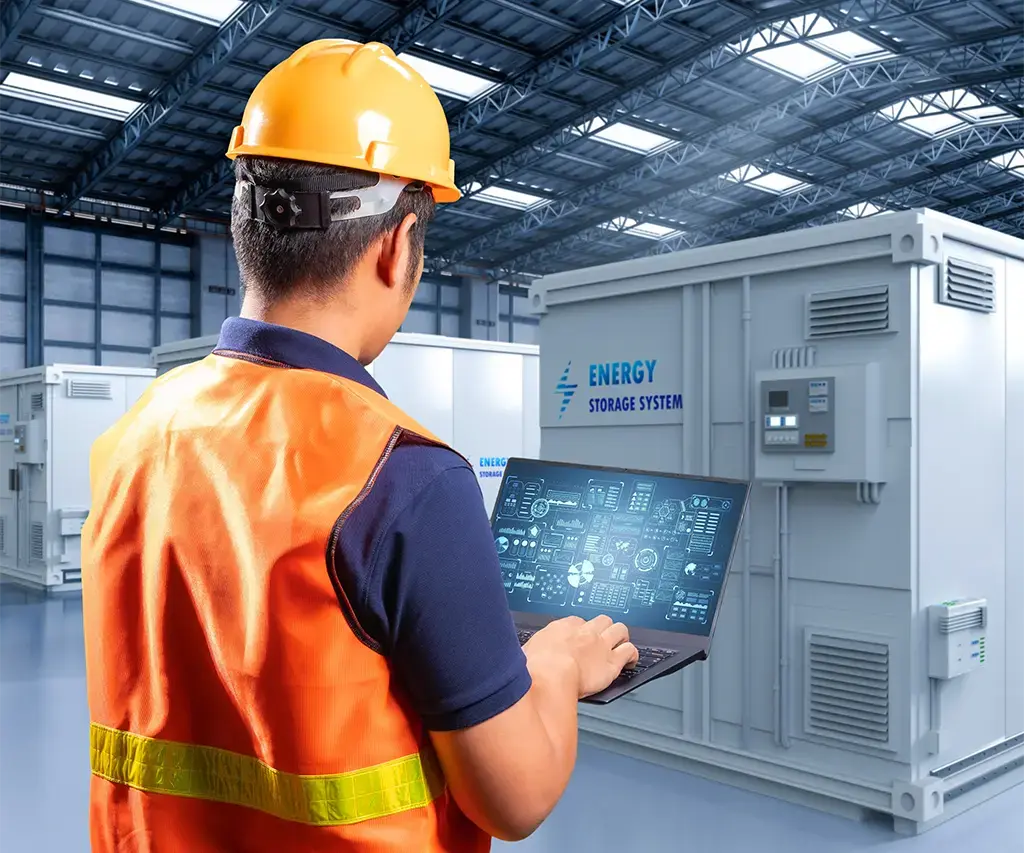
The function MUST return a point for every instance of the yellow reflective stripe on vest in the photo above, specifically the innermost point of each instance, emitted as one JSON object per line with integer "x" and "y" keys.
{"x": 207, "y": 773}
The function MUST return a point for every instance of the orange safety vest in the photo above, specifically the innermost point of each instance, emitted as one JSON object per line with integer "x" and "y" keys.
{"x": 233, "y": 705}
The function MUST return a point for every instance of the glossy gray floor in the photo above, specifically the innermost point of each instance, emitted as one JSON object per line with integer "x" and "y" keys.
{"x": 613, "y": 803}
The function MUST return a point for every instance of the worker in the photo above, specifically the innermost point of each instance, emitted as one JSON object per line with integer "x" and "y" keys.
{"x": 297, "y": 635}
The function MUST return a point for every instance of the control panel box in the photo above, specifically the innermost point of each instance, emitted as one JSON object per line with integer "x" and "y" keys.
{"x": 820, "y": 424}
{"x": 956, "y": 637}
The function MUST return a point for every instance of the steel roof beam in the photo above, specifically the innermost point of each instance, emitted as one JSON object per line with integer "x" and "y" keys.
{"x": 87, "y": 22}
{"x": 13, "y": 18}
{"x": 919, "y": 66}
{"x": 609, "y": 32}
{"x": 232, "y": 36}
{"x": 694, "y": 64}
{"x": 859, "y": 185}
{"x": 400, "y": 33}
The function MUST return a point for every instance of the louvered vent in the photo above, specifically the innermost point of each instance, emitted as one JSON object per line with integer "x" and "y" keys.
{"x": 37, "y": 401}
{"x": 37, "y": 540}
{"x": 854, "y": 311}
{"x": 3, "y": 534}
{"x": 968, "y": 286}
{"x": 89, "y": 389}
{"x": 847, "y": 689}
{"x": 962, "y": 621}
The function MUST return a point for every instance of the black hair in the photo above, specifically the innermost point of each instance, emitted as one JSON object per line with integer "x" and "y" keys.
{"x": 280, "y": 263}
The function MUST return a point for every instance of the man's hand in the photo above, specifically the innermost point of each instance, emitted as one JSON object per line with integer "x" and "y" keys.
{"x": 600, "y": 649}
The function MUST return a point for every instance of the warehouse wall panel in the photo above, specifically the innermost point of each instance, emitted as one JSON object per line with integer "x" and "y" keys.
{"x": 12, "y": 356}
{"x": 127, "y": 250}
{"x": 127, "y": 330}
{"x": 426, "y": 293}
{"x": 71, "y": 283}
{"x": 129, "y": 289}
{"x": 175, "y": 295}
{"x": 120, "y": 358}
{"x": 12, "y": 277}
{"x": 12, "y": 235}
{"x": 70, "y": 242}
{"x": 175, "y": 329}
{"x": 68, "y": 355}
{"x": 450, "y": 325}
{"x": 176, "y": 258}
{"x": 12, "y": 320}
{"x": 423, "y": 321}
{"x": 66, "y": 323}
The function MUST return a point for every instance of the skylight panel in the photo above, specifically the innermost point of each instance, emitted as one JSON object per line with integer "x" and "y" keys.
{"x": 772, "y": 182}
{"x": 64, "y": 96}
{"x": 649, "y": 230}
{"x": 795, "y": 59}
{"x": 781, "y": 47}
{"x": 1012, "y": 161}
{"x": 505, "y": 197}
{"x": 631, "y": 138}
{"x": 862, "y": 210}
{"x": 449, "y": 81}
{"x": 942, "y": 112}
{"x": 206, "y": 11}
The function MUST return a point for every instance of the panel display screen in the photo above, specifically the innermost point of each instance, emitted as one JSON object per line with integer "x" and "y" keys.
{"x": 650, "y": 550}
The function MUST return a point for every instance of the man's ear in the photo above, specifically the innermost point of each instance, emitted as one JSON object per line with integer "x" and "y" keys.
{"x": 395, "y": 256}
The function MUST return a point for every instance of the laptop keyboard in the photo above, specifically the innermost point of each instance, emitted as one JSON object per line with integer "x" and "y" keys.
{"x": 648, "y": 657}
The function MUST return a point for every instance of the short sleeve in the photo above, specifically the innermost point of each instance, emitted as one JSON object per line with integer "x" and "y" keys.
{"x": 427, "y": 586}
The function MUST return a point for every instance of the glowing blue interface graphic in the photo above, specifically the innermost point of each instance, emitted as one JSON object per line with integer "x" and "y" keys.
{"x": 574, "y": 540}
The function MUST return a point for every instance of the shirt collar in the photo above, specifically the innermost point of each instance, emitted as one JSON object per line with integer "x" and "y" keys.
{"x": 292, "y": 348}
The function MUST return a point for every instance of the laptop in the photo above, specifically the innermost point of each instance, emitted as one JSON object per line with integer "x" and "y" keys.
{"x": 650, "y": 550}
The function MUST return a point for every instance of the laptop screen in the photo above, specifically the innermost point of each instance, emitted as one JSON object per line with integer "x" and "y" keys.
{"x": 651, "y": 550}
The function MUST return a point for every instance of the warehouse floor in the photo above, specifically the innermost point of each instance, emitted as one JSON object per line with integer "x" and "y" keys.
{"x": 44, "y": 777}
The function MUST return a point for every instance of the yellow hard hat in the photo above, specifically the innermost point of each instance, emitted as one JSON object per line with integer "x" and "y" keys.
{"x": 352, "y": 105}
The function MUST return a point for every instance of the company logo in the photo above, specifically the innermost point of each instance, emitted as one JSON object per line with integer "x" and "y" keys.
{"x": 566, "y": 389}
{"x": 492, "y": 466}
{"x": 600, "y": 375}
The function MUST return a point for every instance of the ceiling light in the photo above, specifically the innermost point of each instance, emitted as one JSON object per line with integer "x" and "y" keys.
{"x": 773, "y": 182}
{"x": 67, "y": 97}
{"x": 649, "y": 230}
{"x": 504, "y": 196}
{"x": 449, "y": 81}
{"x": 629, "y": 137}
{"x": 205, "y": 11}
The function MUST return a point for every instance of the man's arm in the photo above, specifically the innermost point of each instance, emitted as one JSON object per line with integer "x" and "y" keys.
{"x": 503, "y": 721}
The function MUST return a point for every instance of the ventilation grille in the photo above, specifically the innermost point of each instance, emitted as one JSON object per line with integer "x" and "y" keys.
{"x": 37, "y": 401}
{"x": 968, "y": 286}
{"x": 962, "y": 621}
{"x": 89, "y": 389}
{"x": 847, "y": 689}
{"x": 37, "y": 540}
{"x": 3, "y": 534}
{"x": 789, "y": 357}
{"x": 855, "y": 311}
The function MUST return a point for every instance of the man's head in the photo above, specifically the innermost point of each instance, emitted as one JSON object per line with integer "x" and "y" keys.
{"x": 370, "y": 264}
{"x": 341, "y": 153}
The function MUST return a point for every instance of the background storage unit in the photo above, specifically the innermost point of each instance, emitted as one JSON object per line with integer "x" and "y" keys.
{"x": 884, "y": 542}
{"x": 479, "y": 396}
{"x": 49, "y": 418}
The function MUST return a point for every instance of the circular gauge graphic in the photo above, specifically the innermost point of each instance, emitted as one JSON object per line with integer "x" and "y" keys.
{"x": 539, "y": 508}
{"x": 581, "y": 573}
{"x": 502, "y": 544}
{"x": 690, "y": 569}
{"x": 726, "y": 505}
{"x": 608, "y": 560}
{"x": 647, "y": 559}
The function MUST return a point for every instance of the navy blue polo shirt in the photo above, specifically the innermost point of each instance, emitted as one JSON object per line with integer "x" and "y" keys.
{"x": 417, "y": 560}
